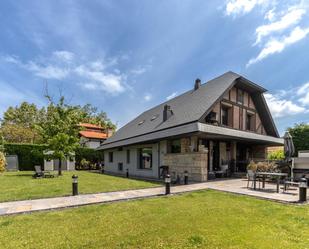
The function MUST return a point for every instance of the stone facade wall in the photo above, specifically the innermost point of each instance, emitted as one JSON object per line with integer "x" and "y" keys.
{"x": 193, "y": 162}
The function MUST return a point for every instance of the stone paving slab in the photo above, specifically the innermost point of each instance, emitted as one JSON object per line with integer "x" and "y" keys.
{"x": 236, "y": 186}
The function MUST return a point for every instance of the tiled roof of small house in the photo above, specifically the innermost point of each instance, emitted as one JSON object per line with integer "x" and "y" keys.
{"x": 93, "y": 134}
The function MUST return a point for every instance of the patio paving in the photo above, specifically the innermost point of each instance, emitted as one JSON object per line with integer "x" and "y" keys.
{"x": 237, "y": 186}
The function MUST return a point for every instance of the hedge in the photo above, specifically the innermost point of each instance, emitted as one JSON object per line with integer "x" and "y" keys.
{"x": 91, "y": 155}
{"x": 30, "y": 155}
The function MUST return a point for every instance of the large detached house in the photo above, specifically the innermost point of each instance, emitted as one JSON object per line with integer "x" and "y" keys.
{"x": 219, "y": 125}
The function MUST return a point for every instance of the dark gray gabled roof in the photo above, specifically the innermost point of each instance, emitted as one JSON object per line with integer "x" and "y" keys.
{"x": 187, "y": 108}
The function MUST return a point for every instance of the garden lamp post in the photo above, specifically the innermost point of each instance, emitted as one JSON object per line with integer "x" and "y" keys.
{"x": 75, "y": 185}
{"x": 167, "y": 184}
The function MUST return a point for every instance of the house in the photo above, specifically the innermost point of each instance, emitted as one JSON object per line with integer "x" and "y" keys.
{"x": 92, "y": 136}
{"x": 221, "y": 124}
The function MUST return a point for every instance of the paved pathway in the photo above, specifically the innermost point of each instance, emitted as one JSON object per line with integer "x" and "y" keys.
{"x": 237, "y": 186}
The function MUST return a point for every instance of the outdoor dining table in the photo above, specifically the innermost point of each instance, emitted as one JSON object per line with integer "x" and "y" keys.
{"x": 265, "y": 174}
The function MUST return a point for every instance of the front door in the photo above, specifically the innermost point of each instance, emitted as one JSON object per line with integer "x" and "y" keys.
{"x": 216, "y": 156}
{"x": 241, "y": 158}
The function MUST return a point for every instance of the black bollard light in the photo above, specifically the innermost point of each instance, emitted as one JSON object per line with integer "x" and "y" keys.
{"x": 75, "y": 185}
{"x": 167, "y": 184}
{"x": 303, "y": 190}
{"x": 186, "y": 176}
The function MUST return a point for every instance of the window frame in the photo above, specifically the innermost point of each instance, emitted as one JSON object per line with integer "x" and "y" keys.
{"x": 240, "y": 97}
{"x": 173, "y": 146}
{"x": 110, "y": 156}
{"x": 225, "y": 109}
{"x": 120, "y": 166}
{"x": 141, "y": 166}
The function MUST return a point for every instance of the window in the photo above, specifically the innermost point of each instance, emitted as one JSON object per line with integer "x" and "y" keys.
{"x": 110, "y": 157}
{"x": 240, "y": 96}
{"x": 225, "y": 115}
{"x": 120, "y": 166}
{"x": 145, "y": 158}
{"x": 175, "y": 146}
{"x": 250, "y": 122}
{"x": 128, "y": 156}
{"x": 211, "y": 117}
{"x": 154, "y": 117}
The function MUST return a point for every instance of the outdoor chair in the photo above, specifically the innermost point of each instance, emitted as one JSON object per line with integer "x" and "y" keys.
{"x": 39, "y": 173}
{"x": 250, "y": 178}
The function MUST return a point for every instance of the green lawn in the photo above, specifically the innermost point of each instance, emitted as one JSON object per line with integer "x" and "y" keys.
{"x": 21, "y": 185}
{"x": 204, "y": 219}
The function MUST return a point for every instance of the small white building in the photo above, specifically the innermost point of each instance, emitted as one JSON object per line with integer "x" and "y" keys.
{"x": 53, "y": 164}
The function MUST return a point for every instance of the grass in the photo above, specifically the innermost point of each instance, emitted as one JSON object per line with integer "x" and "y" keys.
{"x": 204, "y": 219}
{"x": 21, "y": 185}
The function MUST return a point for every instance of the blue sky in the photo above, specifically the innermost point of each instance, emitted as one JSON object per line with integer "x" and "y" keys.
{"x": 127, "y": 56}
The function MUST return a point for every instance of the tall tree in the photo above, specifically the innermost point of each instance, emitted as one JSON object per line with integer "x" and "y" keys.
{"x": 60, "y": 129}
{"x": 300, "y": 134}
{"x": 18, "y": 124}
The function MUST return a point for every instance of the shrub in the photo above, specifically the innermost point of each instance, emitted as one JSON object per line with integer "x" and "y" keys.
{"x": 91, "y": 156}
{"x": 262, "y": 166}
{"x": 2, "y": 162}
{"x": 276, "y": 155}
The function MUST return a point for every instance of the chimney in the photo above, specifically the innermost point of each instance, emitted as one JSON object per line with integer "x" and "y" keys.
{"x": 109, "y": 132}
{"x": 197, "y": 84}
{"x": 167, "y": 112}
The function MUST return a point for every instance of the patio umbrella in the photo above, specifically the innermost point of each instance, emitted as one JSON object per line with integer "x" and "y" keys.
{"x": 289, "y": 149}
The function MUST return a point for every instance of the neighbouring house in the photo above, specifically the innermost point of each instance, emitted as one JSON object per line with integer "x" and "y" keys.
{"x": 92, "y": 136}
{"x": 217, "y": 126}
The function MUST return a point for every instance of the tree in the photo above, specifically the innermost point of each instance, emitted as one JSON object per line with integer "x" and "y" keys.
{"x": 18, "y": 125}
{"x": 92, "y": 115}
{"x": 60, "y": 129}
{"x": 300, "y": 134}
{"x": 14, "y": 133}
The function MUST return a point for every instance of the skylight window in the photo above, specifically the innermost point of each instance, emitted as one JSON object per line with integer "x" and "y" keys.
{"x": 141, "y": 122}
{"x": 154, "y": 117}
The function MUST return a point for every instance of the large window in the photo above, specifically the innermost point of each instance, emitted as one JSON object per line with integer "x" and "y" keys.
{"x": 225, "y": 115}
{"x": 110, "y": 157}
{"x": 175, "y": 146}
{"x": 145, "y": 158}
{"x": 240, "y": 96}
{"x": 250, "y": 122}
{"x": 120, "y": 166}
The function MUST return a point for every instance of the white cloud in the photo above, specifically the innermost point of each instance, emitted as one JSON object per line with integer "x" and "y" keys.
{"x": 280, "y": 107}
{"x": 64, "y": 64}
{"x": 173, "y": 95}
{"x": 111, "y": 83}
{"x": 270, "y": 15}
{"x": 303, "y": 93}
{"x": 48, "y": 71}
{"x": 235, "y": 7}
{"x": 63, "y": 55}
{"x": 291, "y": 17}
{"x": 277, "y": 46}
{"x": 147, "y": 97}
